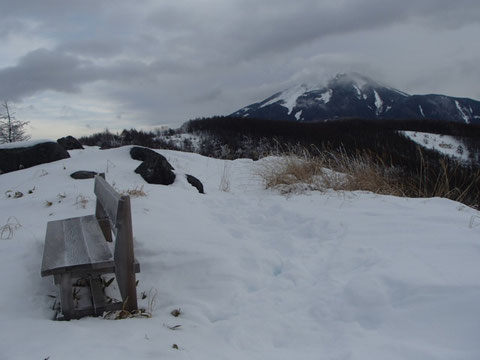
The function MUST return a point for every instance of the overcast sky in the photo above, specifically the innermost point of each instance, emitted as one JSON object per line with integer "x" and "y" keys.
{"x": 75, "y": 67}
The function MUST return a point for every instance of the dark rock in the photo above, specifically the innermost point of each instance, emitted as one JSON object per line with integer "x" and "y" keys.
{"x": 13, "y": 159}
{"x": 80, "y": 175}
{"x": 195, "y": 183}
{"x": 145, "y": 154}
{"x": 69, "y": 143}
{"x": 156, "y": 170}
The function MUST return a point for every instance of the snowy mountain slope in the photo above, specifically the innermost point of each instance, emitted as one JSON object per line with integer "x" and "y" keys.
{"x": 444, "y": 144}
{"x": 354, "y": 95}
{"x": 256, "y": 275}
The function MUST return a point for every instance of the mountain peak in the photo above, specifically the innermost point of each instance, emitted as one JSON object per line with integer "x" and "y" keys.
{"x": 352, "y": 94}
{"x": 352, "y": 78}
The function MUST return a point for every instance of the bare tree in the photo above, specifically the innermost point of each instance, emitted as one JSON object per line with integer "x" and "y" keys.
{"x": 11, "y": 129}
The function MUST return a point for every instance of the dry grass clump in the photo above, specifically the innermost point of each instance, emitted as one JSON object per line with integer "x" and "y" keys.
{"x": 364, "y": 172}
{"x": 451, "y": 181}
{"x": 7, "y": 230}
{"x": 135, "y": 192}
{"x": 81, "y": 201}
{"x": 140, "y": 313}
{"x": 300, "y": 171}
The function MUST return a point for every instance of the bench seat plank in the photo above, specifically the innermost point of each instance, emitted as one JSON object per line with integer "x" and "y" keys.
{"x": 75, "y": 245}
{"x": 108, "y": 197}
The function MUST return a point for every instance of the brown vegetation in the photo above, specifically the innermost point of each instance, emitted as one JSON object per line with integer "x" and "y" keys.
{"x": 299, "y": 170}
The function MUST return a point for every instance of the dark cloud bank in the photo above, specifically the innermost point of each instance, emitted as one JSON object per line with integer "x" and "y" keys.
{"x": 172, "y": 61}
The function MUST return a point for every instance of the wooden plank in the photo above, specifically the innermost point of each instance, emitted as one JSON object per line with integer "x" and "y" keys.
{"x": 102, "y": 217}
{"x": 114, "y": 306}
{"x": 54, "y": 248}
{"x": 75, "y": 245}
{"x": 66, "y": 296}
{"x": 106, "y": 268}
{"x": 108, "y": 197}
{"x": 124, "y": 256}
{"x": 75, "y": 250}
{"x": 95, "y": 245}
{"x": 98, "y": 297}
{"x": 80, "y": 312}
{"x": 103, "y": 221}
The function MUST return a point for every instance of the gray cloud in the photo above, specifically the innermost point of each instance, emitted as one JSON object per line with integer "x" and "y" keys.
{"x": 169, "y": 61}
{"x": 95, "y": 48}
{"x": 254, "y": 28}
{"x": 43, "y": 70}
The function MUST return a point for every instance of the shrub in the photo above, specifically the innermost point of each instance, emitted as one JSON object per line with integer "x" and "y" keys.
{"x": 299, "y": 170}
{"x": 329, "y": 170}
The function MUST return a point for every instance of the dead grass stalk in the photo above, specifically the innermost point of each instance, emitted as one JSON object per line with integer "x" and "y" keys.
{"x": 7, "y": 230}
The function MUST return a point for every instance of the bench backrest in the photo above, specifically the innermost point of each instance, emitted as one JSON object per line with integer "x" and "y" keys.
{"x": 114, "y": 214}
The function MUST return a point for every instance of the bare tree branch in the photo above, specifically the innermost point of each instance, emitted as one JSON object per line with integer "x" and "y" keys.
{"x": 11, "y": 129}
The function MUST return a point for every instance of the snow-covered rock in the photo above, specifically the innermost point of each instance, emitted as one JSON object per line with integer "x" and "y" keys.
{"x": 29, "y": 153}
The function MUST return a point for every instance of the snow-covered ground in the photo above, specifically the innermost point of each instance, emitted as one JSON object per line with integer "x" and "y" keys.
{"x": 24, "y": 144}
{"x": 444, "y": 144}
{"x": 257, "y": 275}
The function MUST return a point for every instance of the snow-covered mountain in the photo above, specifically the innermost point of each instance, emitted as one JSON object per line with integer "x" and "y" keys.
{"x": 354, "y": 95}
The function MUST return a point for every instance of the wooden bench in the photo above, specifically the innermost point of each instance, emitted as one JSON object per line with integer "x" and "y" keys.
{"x": 77, "y": 248}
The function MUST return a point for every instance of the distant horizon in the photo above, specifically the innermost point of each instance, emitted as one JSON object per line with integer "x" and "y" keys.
{"x": 80, "y": 67}
{"x": 38, "y": 136}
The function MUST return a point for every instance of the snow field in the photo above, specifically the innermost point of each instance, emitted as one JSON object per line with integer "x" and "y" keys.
{"x": 256, "y": 275}
{"x": 444, "y": 144}
{"x": 289, "y": 97}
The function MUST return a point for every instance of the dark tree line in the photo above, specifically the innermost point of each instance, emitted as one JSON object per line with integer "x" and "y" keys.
{"x": 380, "y": 139}
{"x": 151, "y": 139}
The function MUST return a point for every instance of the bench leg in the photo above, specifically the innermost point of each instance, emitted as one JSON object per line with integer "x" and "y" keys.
{"x": 66, "y": 295}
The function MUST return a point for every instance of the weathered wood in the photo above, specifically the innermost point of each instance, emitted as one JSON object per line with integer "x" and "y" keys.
{"x": 77, "y": 248}
{"x": 102, "y": 217}
{"x": 90, "y": 302}
{"x": 108, "y": 198}
{"x": 107, "y": 269}
{"x": 66, "y": 296}
{"x": 75, "y": 245}
{"x": 99, "y": 301}
{"x": 103, "y": 221}
{"x": 54, "y": 248}
{"x": 98, "y": 298}
{"x": 124, "y": 256}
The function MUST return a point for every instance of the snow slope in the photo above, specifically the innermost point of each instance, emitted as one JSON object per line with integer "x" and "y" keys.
{"x": 444, "y": 144}
{"x": 24, "y": 144}
{"x": 288, "y": 97}
{"x": 257, "y": 275}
